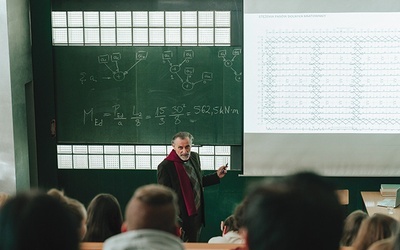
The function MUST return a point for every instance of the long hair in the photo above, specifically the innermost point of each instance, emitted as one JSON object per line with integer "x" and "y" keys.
{"x": 104, "y": 218}
{"x": 352, "y": 226}
{"x": 374, "y": 228}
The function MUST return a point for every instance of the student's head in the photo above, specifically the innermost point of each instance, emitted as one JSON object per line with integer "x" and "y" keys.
{"x": 104, "y": 218}
{"x": 229, "y": 224}
{"x": 79, "y": 211}
{"x": 351, "y": 226}
{"x": 182, "y": 144}
{"x": 76, "y": 208}
{"x": 392, "y": 243}
{"x": 239, "y": 214}
{"x": 153, "y": 206}
{"x": 37, "y": 221}
{"x": 300, "y": 211}
{"x": 375, "y": 228}
{"x": 239, "y": 217}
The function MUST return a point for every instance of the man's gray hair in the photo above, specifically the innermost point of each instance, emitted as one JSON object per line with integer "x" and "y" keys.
{"x": 182, "y": 135}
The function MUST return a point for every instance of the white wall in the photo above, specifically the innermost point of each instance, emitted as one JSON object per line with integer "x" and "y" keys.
{"x": 15, "y": 73}
{"x": 7, "y": 157}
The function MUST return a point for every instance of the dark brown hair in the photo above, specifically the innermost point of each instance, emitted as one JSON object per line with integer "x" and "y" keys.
{"x": 37, "y": 221}
{"x": 104, "y": 218}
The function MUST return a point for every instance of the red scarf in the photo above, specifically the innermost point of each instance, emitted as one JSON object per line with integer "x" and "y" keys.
{"x": 186, "y": 186}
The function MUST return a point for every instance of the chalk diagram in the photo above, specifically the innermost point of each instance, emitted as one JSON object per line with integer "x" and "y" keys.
{"x": 176, "y": 70}
{"x": 229, "y": 62}
{"x": 117, "y": 73}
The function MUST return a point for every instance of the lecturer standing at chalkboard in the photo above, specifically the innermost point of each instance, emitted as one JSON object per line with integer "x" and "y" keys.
{"x": 181, "y": 171}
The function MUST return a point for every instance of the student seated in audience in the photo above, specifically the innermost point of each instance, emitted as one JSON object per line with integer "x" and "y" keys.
{"x": 392, "y": 243}
{"x": 300, "y": 211}
{"x": 151, "y": 220}
{"x": 351, "y": 226}
{"x": 76, "y": 208}
{"x": 229, "y": 232}
{"x": 239, "y": 216}
{"x": 375, "y": 228}
{"x": 104, "y": 218}
{"x": 37, "y": 221}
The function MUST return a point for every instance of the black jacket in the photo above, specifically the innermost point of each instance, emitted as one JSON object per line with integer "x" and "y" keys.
{"x": 167, "y": 175}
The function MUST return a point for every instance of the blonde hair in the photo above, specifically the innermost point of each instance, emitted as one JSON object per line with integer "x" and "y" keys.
{"x": 375, "y": 228}
{"x": 352, "y": 226}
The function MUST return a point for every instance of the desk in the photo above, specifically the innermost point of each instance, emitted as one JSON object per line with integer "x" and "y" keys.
{"x": 370, "y": 200}
{"x": 188, "y": 246}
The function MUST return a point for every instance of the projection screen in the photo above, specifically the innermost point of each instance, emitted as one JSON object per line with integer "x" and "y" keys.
{"x": 322, "y": 87}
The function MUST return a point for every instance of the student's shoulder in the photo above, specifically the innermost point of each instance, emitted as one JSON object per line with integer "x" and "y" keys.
{"x": 217, "y": 239}
{"x": 114, "y": 241}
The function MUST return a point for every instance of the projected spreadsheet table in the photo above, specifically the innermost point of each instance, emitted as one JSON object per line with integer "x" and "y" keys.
{"x": 323, "y": 73}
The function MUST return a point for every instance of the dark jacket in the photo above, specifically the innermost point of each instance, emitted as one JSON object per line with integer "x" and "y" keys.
{"x": 167, "y": 175}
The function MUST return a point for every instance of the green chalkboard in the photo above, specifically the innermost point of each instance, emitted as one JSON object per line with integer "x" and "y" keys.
{"x": 143, "y": 95}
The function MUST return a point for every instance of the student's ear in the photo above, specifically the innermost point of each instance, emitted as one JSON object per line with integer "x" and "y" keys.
{"x": 178, "y": 231}
{"x": 224, "y": 230}
{"x": 124, "y": 227}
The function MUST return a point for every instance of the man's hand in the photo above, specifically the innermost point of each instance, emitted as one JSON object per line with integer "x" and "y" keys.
{"x": 221, "y": 172}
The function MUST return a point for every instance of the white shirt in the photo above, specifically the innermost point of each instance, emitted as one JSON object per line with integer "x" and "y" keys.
{"x": 143, "y": 239}
{"x": 230, "y": 237}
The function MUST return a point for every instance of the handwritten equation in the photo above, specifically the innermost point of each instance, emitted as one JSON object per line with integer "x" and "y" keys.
{"x": 162, "y": 114}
